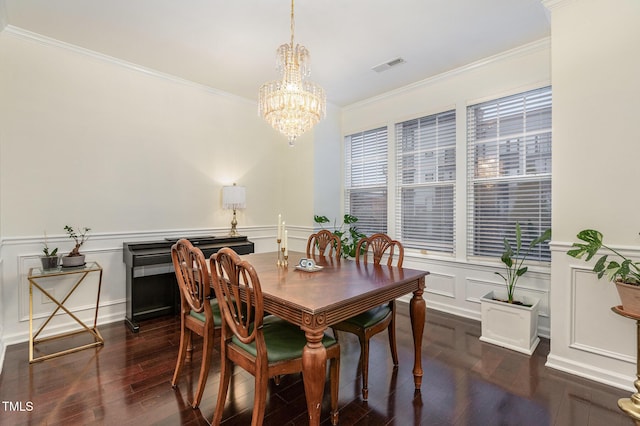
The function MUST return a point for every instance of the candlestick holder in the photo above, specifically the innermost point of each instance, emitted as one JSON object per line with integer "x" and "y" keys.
{"x": 283, "y": 259}
{"x": 279, "y": 262}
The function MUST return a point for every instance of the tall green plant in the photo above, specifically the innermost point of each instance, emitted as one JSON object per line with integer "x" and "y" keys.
{"x": 514, "y": 259}
{"x": 349, "y": 237}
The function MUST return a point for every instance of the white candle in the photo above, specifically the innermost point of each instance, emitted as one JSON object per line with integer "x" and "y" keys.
{"x": 279, "y": 227}
{"x": 286, "y": 242}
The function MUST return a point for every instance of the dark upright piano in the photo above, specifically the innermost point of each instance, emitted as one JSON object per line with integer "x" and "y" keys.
{"x": 155, "y": 295}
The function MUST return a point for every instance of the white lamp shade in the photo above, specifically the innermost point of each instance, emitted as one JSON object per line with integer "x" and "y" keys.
{"x": 233, "y": 197}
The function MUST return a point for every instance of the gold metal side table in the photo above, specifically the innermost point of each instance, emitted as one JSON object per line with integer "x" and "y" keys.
{"x": 36, "y": 277}
{"x": 631, "y": 405}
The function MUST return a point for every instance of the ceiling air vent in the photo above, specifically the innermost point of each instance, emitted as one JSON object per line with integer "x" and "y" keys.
{"x": 386, "y": 65}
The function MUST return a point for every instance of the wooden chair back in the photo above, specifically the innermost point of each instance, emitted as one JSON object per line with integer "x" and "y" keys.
{"x": 248, "y": 337}
{"x": 321, "y": 241}
{"x": 237, "y": 287}
{"x": 382, "y": 247}
{"x": 193, "y": 278}
{"x": 196, "y": 312}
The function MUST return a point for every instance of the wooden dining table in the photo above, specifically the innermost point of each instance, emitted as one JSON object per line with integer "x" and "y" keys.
{"x": 341, "y": 289}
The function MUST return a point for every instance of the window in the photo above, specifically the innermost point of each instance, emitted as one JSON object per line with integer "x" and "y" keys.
{"x": 366, "y": 179}
{"x": 509, "y": 172}
{"x": 426, "y": 167}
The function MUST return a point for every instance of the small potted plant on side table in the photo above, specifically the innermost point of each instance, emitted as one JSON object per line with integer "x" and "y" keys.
{"x": 50, "y": 258}
{"x": 508, "y": 322}
{"x": 624, "y": 272}
{"x": 75, "y": 258}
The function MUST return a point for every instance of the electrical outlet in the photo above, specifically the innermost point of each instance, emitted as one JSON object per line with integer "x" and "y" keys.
{"x": 43, "y": 297}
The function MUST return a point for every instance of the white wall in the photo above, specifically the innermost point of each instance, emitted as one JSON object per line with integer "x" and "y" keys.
{"x": 3, "y": 15}
{"x": 91, "y": 142}
{"x": 596, "y": 144}
{"x": 328, "y": 173}
{"x": 88, "y": 140}
{"x": 455, "y": 284}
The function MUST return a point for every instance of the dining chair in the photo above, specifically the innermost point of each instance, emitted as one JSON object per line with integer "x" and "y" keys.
{"x": 199, "y": 313}
{"x": 367, "y": 324}
{"x": 321, "y": 241}
{"x": 265, "y": 346}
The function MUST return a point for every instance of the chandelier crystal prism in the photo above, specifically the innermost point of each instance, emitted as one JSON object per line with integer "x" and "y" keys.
{"x": 293, "y": 104}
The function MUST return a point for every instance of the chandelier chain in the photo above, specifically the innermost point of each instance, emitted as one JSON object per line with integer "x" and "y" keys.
{"x": 293, "y": 25}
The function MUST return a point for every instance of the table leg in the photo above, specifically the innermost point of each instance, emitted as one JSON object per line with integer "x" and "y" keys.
{"x": 30, "y": 322}
{"x": 417, "y": 310}
{"x": 314, "y": 363}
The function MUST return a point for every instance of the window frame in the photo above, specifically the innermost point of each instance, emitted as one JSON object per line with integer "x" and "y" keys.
{"x": 366, "y": 176}
{"x": 510, "y": 164}
{"x": 425, "y": 150}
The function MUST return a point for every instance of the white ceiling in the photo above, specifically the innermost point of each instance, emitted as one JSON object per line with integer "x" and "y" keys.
{"x": 230, "y": 44}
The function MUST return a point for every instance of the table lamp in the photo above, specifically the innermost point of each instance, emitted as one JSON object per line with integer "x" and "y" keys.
{"x": 233, "y": 197}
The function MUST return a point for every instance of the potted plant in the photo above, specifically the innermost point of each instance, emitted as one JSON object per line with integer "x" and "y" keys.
{"x": 348, "y": 238}
{"x": 624, "y": 272}
{"x": 50, "y": 258}
{"x": 508, "y": 321}
{"x": 75, "y": 258}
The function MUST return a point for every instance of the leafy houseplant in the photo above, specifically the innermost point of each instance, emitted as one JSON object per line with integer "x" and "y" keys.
{"x": 621, "y": 270}
{"x": 348, "y": 238}
{"x": 625, "y": 271}
{"x": 514, "y": 259}
{"x": 75, "y": 258}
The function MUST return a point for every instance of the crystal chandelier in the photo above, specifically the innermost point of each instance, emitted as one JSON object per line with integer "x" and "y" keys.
{"x": 293, "y": 104}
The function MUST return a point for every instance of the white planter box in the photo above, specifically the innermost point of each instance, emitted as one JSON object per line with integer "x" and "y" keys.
{"x": 511, "y": 326}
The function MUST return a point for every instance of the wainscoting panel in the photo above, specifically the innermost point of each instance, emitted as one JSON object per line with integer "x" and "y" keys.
{"x": 456, "y": 287}
{"x": 592, "y": 321}
{"x": 587, "y": 338}
{"x": 21, "y": 254}
{"x": 441, "y": 284}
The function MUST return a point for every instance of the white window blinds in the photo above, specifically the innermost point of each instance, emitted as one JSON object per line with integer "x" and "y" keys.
{"x": 509, "y": 172}
{"x": 426, "y": 174}
{"x": 366, "y": 179}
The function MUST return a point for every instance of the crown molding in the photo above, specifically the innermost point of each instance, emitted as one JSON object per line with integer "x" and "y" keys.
{"x": 48, "y": 41}
{"x": 538, "y": 45}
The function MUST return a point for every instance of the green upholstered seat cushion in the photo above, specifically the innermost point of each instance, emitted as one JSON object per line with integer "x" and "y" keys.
{"x": 284, "y": 340}
{"x": 371, "y": 317}
{"x": 215, "y": 309}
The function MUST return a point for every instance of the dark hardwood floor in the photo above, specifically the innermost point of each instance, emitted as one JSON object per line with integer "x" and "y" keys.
{"x": 466, "y": 382}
